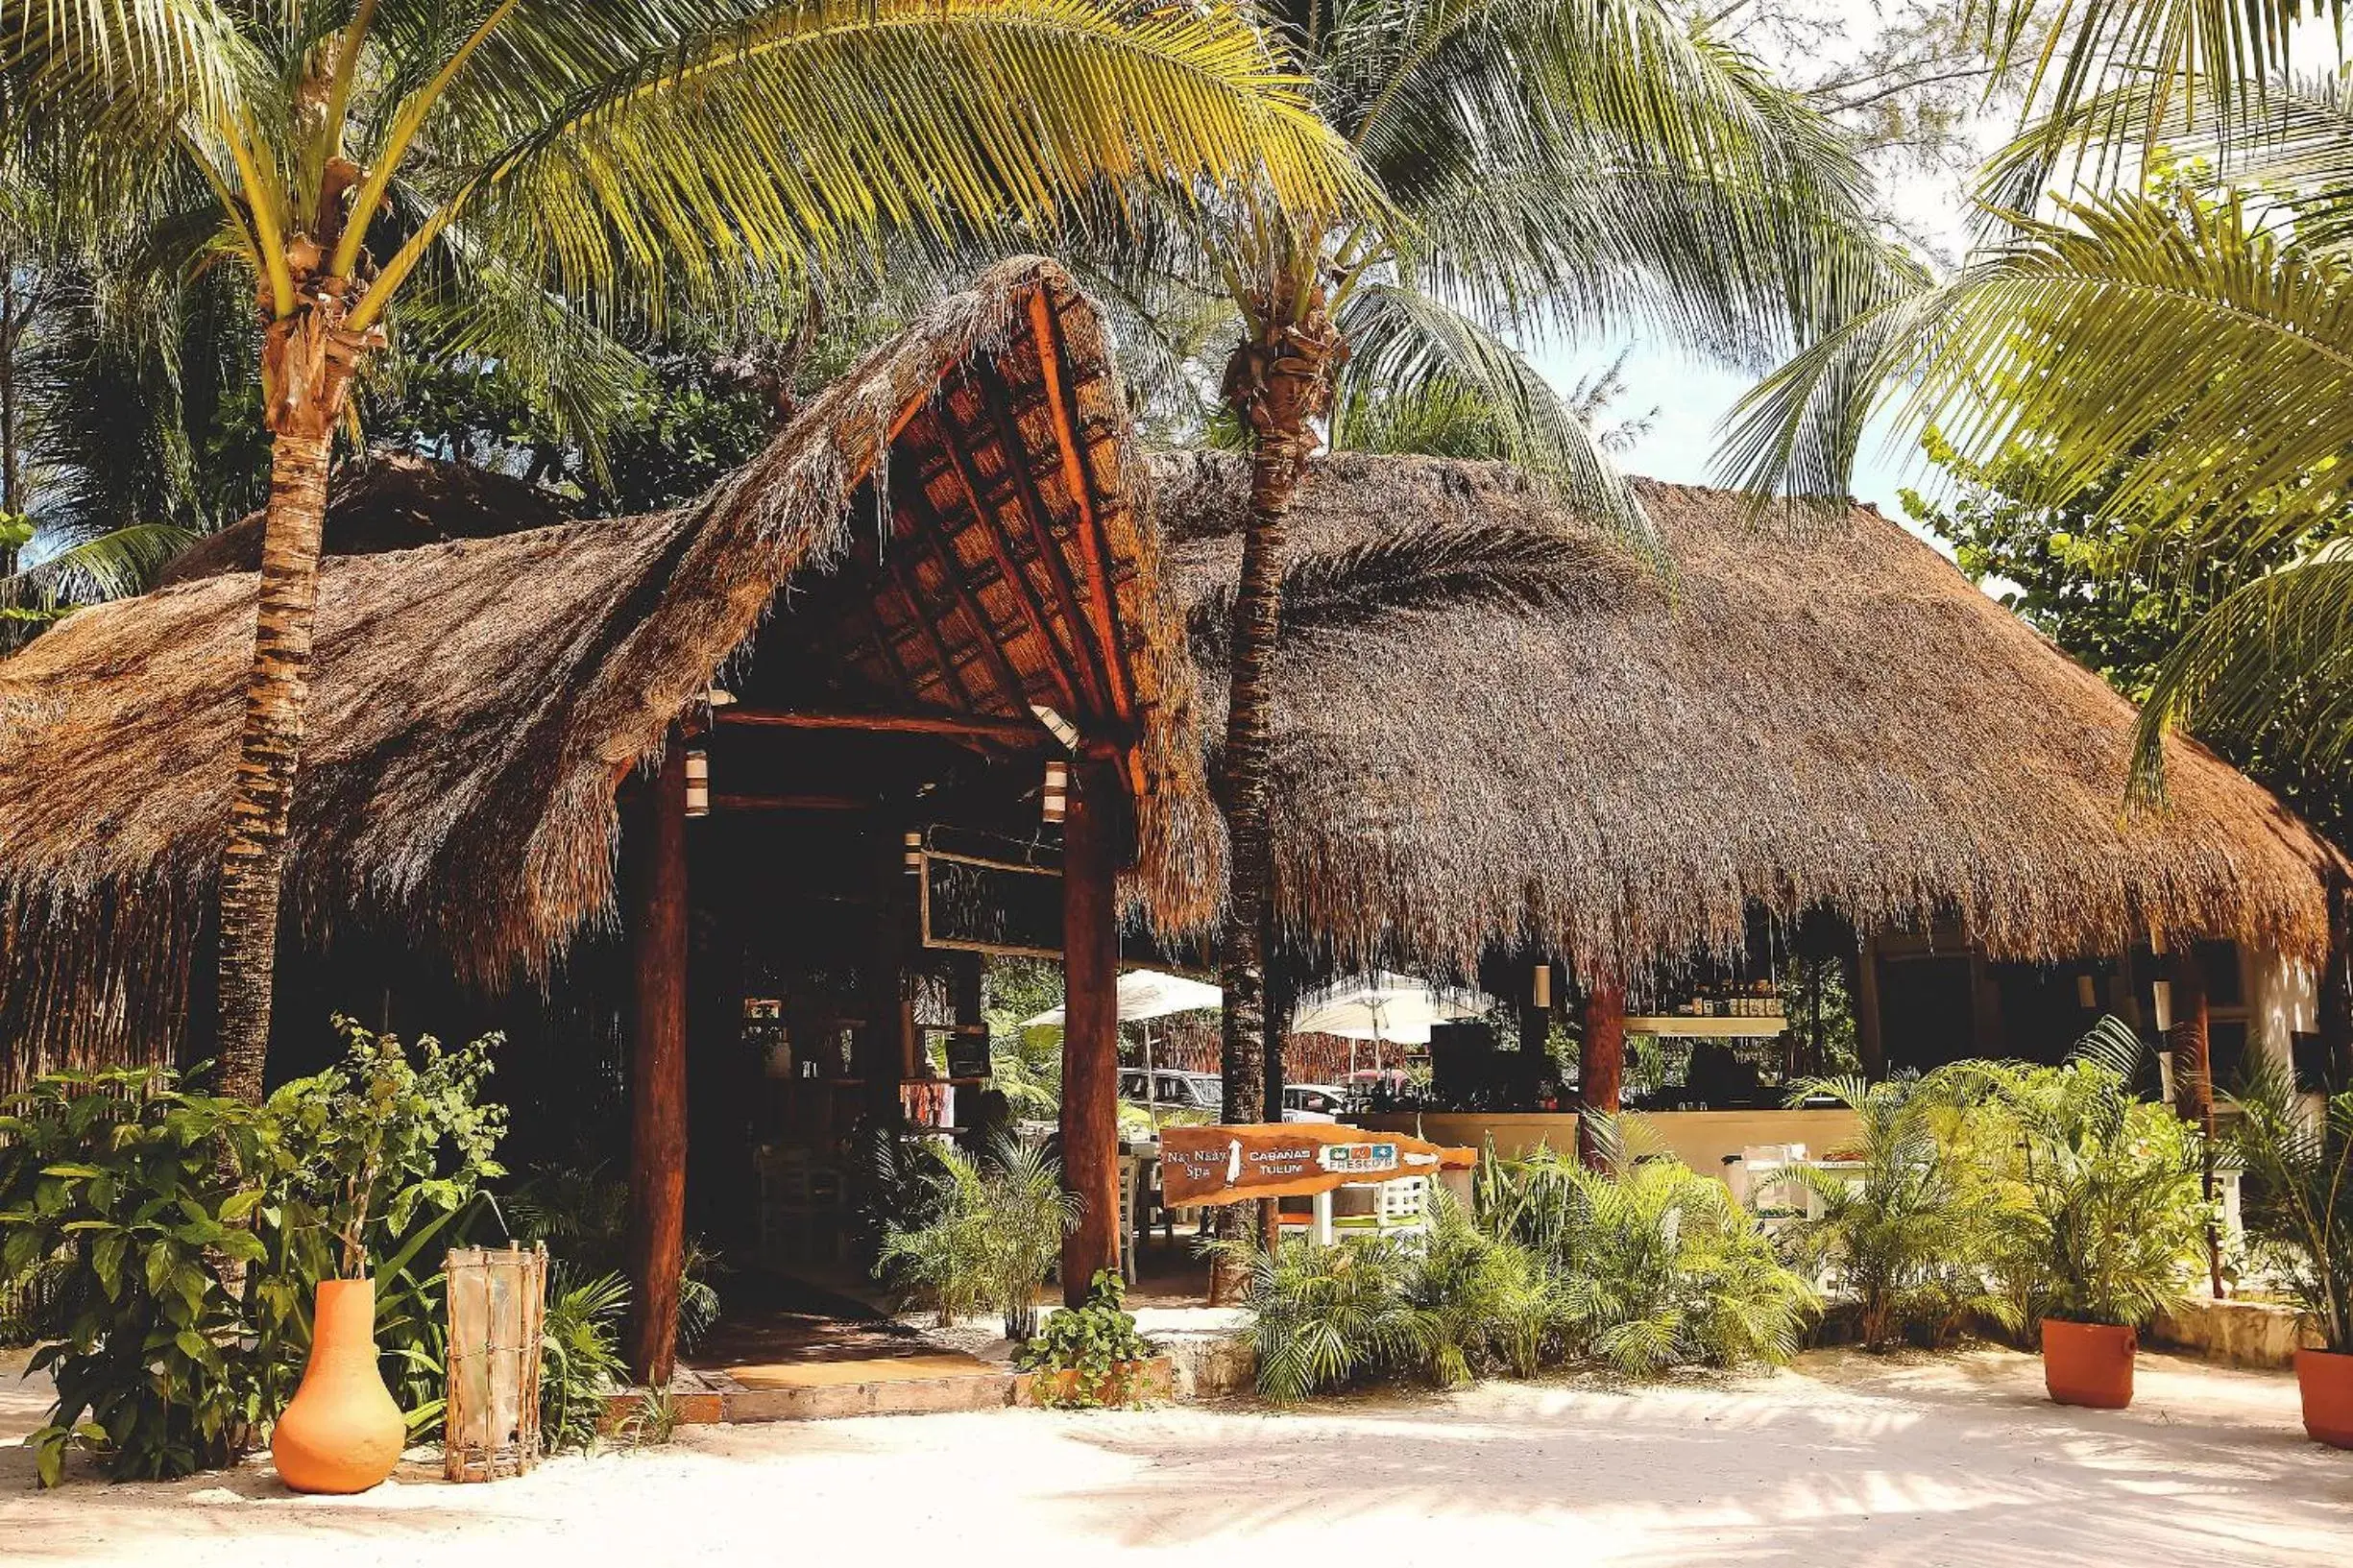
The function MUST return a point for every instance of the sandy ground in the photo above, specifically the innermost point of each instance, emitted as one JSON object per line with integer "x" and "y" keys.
{"x": 1844, "y": 1460}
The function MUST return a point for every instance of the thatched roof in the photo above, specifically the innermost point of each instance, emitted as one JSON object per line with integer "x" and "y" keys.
{"x": 1839, "y": 719}
{"x": 475, "y": 704}
{"x": 391, "y": 502}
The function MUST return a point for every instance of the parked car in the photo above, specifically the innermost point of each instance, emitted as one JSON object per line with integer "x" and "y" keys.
{"x": 1173, "y": 1090}
{"x": 1312, "y": 1102}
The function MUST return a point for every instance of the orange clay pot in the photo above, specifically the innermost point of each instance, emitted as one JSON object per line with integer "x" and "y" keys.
{"x": 2087, "y": 1363}
{"x": 2325, "y": 1379}
{"x": 342, "y": 1432}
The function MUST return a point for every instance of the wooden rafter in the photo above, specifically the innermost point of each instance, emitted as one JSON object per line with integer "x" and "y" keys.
{"x": 925, "y": 624}
{"x": 1000, "y": 405}
{"x": 1008, "y": 732}
{"x": 1025, "y": 594}
{"x": 1093, "y": 547}
{"x": 952, "y": 570}
{"x": 880, "y": 634}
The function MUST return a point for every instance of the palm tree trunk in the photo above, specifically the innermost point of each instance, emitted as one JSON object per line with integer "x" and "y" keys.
{"x": 1279, "y": 382}
{"x": 307, "y": 364}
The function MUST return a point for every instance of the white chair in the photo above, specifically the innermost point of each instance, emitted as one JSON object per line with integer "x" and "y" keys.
{"x": 1400, "y": 1208}
{"x": 1131, "y": 1203}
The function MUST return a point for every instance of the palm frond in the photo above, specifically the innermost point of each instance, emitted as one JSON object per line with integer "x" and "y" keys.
{"x": 1403, "y": 339}
{"x": 2146, "y": 315}
{"x": 1499, "y": 565}
{"x": 2274, "y": 655}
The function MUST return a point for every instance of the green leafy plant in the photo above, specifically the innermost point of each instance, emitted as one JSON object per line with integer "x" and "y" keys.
{"x": 2114, "y": 1184}
{"x": 1653, "y": 1265}
{"x": 1321, "y": 1316}
{"x": 2299, "y": 1202}
{"x": 582, "y": 1213}
{"x": 1097, "y": 1344}
{"x": 1473, "y": 1301}
{"x": 580, "y": 1359}
{"x": 181, "y": 1235}
{"x": 995, "y": 1228}
{"x": 1915, "y": 1233}
{"x": 146, "y": 1193}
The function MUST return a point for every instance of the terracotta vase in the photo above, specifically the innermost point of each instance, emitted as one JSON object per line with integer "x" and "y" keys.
{"x": 342, "y": 1432}
{"x": 2325, "y": 1380}
{"x": 2089, "y": 1364}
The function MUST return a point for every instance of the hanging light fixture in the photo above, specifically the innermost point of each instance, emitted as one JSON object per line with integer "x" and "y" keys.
{"x": 1054, "y": 800}
{"x": 1062, "y": 729}
{"x": 913, "y": 843}
{"x": 2087, "y": 992}
{"x": 699, "y": 782}
{"x": 2161, "y": 992}
{"x": 1540, "y": 990}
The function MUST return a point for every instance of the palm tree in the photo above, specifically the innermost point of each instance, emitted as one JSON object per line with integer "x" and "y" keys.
{"x": 493, "y": 166}
{"x": 2184, "y": 352}
{"x": 1548, "y": 167}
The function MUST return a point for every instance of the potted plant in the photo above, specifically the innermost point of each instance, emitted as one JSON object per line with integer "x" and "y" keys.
{"x": 2114, "y": 1182}
{"x": 1092, "y": 1355}
{"x": 379, "y": 1124}
{"x": 2299, "y": 1208}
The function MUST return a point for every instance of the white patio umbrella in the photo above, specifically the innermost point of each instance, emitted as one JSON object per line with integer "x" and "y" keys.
{"x": 1394, "y": 1008}
{"x": 1148, "y": 993}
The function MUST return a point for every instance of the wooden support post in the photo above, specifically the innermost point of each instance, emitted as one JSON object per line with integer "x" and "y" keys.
{"x": 1090, "y": 1024}
{"x": 882, "y": 1054}
{"x": 2335, "y": 1006}
{"x": 2193, "y": 1055}
{"x": 656, "y": 846}
{"x": 1601, "y": 1061}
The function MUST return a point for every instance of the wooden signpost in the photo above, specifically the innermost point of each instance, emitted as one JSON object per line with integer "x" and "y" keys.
{"x": 1291, "y": 1159}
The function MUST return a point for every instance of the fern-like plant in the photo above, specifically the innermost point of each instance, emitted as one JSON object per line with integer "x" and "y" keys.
{"x": 1654, "y": 1267}
{"x": 1916, "y": 1232}
{"x": 2300, "y": 1194}
{"x": 993, "y": 1231}
{"x": 1321, "y": 1316}
{"x": 1473, "y": 1301}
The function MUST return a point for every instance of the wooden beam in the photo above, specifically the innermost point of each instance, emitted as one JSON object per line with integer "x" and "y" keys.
{"x": 1090, "y": 1026}
{"x": 1000, "y": 405}
{"x": 790, "y": 803}
{"x": 657, "y": 893}
{"x": 1024, "y": 593}
{"x": 1022, "y": 732}
{"x": 2191, "y": 1041}
{"x": 1601, "y": 1062}
{"x": 1093, "y": 545}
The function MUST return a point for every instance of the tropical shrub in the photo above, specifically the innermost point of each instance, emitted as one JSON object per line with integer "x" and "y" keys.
{"x": 1653, "y": 1267}
{"x": 582, "y": 1213}
{"x": 1920, "y": 1231}
{"x": 182, "y": 1235}
{"x": 1472, "y": 1302}
{"x": 580, "y": 1359}
{"x": 994, "y": 1228}
{"x": 1321, "y": 1316}
{"x": 2113, "y": 1181}
{"x": 148, "y": 1194}
{"x": 1096, "y": 1342}
{"x": 2299, "y": 1195}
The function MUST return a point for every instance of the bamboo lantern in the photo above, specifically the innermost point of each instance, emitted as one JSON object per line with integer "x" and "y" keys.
{"x": 1054, "y": 799}
{"x": 498, "y": 1304}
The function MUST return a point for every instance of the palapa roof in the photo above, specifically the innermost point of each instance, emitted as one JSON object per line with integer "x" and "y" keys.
{"x": 475, "y": 704}
{"x": 1835, "y": 718}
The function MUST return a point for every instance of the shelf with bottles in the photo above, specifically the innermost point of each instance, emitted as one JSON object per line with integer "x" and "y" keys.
{"x": 1732, "y": 1009}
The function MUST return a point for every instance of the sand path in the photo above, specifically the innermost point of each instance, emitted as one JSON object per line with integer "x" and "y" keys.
{"x": 1842, "y": 1461}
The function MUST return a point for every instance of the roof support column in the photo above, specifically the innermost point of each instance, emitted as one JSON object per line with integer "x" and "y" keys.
{"x": 1601, "y": 1062}
{"x": 2191, "y": 1049}
{"x": 655, "y": 876}
{"x": 1090, "y": 1023}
